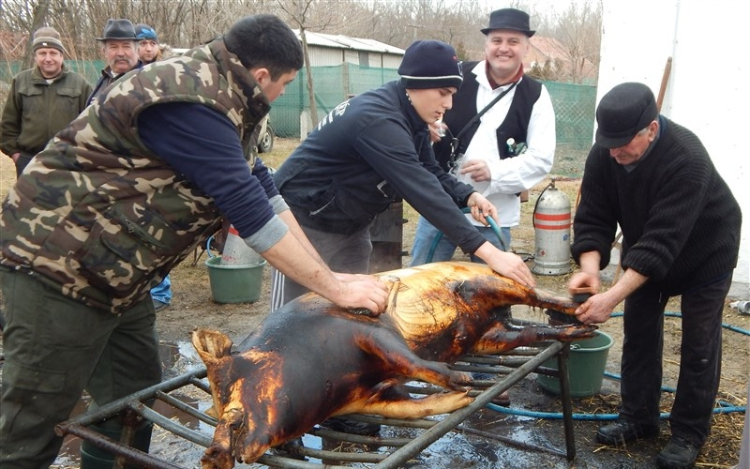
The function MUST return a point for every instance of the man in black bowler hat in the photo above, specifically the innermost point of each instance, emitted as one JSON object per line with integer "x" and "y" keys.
{"x": 511, "y": 148}
{"x": 120, "y": 50}
{"x": 681, "y": 234}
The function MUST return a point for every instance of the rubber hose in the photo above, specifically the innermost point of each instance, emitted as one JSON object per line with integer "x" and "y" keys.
{"x": 439, "y": 236}
{"x": 724, "y": 407}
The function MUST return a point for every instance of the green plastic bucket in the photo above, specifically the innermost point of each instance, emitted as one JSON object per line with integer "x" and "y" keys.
{"x": 234, "y": 283}
{"x": 586, "y": 364}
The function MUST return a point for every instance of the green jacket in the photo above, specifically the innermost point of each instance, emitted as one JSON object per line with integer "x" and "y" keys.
{"x": 36, "y": 110}
{"x": 99, "y": 217}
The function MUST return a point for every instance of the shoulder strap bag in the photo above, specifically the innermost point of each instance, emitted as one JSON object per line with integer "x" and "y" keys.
{"x": 457, "y": 139}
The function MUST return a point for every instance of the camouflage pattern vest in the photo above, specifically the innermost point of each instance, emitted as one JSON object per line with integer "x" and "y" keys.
{"x": 99, "y": 217}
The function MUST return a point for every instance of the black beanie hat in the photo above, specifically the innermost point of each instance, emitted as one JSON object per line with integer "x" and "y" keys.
{"x": 430, "y": 64}
{"x": 623, "y": 112}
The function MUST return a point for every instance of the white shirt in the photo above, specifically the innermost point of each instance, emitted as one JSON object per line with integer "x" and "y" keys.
{"x": 511, "y": 175}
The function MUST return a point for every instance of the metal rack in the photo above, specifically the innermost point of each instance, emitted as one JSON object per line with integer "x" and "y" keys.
{"x": 511, "y": 368}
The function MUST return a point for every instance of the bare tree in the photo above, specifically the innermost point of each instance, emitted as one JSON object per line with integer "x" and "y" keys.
{"x": 578, "y": 29}
{"x": 304, "y": 17}
{"x": 188, "y": 23}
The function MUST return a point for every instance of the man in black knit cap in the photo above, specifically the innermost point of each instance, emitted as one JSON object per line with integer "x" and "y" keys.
{"x": 367, "y": 152}
{"x": 681, "y": 235}
{"x": 374, "y": 148}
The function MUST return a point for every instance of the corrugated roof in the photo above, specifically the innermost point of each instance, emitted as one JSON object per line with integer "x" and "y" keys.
{"x": 346, "y": 42}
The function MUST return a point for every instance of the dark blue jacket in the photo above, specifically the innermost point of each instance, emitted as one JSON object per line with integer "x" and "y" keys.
{"x": 363, "y": 155}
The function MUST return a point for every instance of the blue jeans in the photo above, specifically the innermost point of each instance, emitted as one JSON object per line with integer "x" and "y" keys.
{"x": 163, "y": 291}
{"x": 443, "y": 249}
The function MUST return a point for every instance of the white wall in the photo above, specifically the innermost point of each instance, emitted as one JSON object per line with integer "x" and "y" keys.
{"x": 707, "y": 90}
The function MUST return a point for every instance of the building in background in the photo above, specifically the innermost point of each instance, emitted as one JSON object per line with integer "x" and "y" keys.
{"x": 705, "y": 90}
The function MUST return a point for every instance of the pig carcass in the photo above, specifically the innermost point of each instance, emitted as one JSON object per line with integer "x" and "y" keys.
{"x": 312, "y": 360}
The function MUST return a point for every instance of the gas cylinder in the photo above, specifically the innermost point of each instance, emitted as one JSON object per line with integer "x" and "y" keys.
{"x": 552, "y": 232}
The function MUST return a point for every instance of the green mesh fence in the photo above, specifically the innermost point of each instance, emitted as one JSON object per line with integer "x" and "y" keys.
{"x": 574, "y": 104}
{"x": 575, "y": 107}
{"x": 332, "y": 85}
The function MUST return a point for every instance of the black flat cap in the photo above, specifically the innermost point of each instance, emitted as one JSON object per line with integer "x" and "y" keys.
{"x": 623, "y": 112}
{"x": 120, "y": 30}
{"x": 509, "y": 18}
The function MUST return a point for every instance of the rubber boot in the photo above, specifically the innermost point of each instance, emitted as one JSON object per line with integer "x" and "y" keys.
{"x": 93, "y": 457}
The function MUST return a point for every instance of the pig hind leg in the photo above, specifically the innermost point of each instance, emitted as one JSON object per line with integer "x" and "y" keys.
{"x": 391, "y": 350}
{"x": 394, "y": 401}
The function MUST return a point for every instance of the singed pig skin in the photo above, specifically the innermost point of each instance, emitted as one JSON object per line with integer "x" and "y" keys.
{"x": 312, "y": 360}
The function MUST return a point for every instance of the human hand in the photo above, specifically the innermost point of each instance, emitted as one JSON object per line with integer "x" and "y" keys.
{"x": 597, "y": 309}
{"x": 584, "y": 282}
{"x": 15, "y": 156}
{"x": 437, "y": 131}
{"x": 479, "y": 170}
{"x": 362, "y": 292}
{"x": 481, "y": 208}
{"x": 510, "y": 265}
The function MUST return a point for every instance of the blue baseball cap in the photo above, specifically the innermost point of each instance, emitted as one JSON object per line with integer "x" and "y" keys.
{"x": 144, "y": 31}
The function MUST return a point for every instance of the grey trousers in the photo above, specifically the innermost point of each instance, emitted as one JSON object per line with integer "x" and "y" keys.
{"x": 342, "y": 253}
{"x": 55, "y": 348}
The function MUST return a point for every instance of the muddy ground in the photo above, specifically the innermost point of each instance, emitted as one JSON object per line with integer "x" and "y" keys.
{"x": 193, "y": 307}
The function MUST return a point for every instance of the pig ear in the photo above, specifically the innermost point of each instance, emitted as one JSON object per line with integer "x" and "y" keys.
{"x": 211, "y": 345}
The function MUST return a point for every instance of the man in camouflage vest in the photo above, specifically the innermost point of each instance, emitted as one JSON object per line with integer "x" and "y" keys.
{"x": 118, "y": 198}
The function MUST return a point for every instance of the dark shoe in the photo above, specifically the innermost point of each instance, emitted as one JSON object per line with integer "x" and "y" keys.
{"x": 678, "y": 454}
{"x": 479, "y": 376}
{"x": 290, "y": 449}
{"x": 622, "y": 431}
{"x": 160, "y": 305}
{"x": 503, "y": 399}
{"x": 345, "y": 425}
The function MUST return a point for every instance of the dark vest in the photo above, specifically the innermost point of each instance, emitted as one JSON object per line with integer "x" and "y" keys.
{"x": 514, "y": 126}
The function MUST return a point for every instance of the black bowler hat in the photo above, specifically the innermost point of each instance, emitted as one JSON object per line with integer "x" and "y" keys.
{"x": 624, "y": 111}
{"x": 509, "y": 18}
{"x": 122, "y": 30}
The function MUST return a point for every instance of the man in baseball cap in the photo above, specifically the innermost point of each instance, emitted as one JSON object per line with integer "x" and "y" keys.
{"x": 148, "y": 43}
